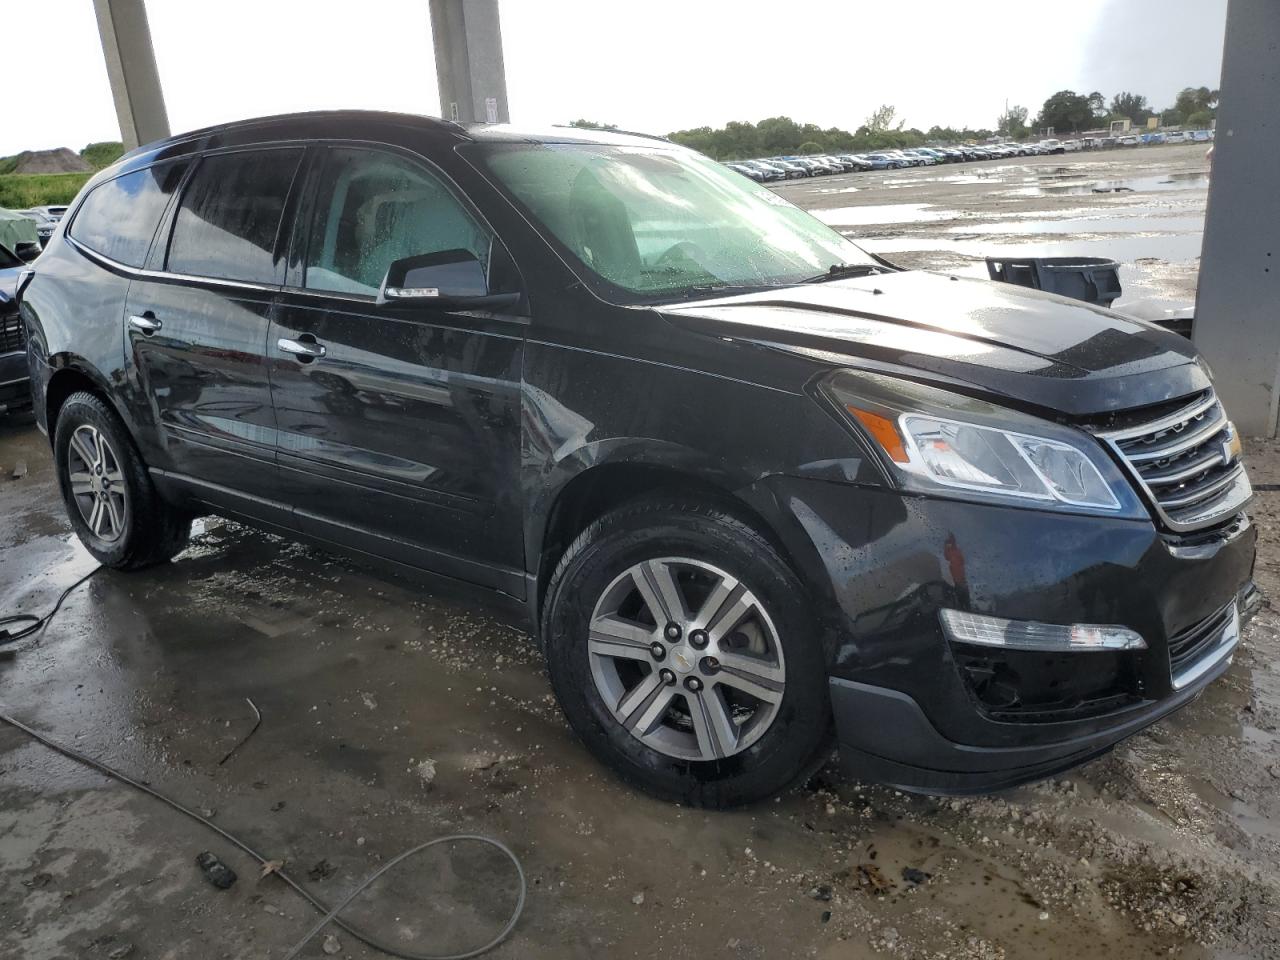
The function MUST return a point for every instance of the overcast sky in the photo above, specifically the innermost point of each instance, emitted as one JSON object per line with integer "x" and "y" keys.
{"x": 650, "y": 65}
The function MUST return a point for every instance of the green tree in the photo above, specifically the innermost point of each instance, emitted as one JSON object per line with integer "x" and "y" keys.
{"x": 1194, "y": 100}
{"x": 881, "y": 121}
{"x": 1013, "y": 122}
{"x": 1199, "y": 120}
{"x": 593, "y": 125}
{"x": 1131, "y": 105}
{"x": 1097, "y": 105}
{"x": 810, "y": 146}
{"x": 1066, "y": 111}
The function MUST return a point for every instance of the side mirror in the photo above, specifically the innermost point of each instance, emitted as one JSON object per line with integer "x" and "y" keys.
{"x": 449, "y": 278}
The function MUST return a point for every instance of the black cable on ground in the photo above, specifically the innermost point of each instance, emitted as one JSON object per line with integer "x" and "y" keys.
{"x": 36, "y": 624}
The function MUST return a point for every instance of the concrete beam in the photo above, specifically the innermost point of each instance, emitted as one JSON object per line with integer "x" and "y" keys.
{"x": 468, "y": 43}
{"x": 1237, "y": 325}
{"x": 131, "y": 68}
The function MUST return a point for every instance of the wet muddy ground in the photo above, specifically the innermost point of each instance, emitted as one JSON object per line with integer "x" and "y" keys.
{"x": 1143, "y": 207}
{"x": 392, "y": 715}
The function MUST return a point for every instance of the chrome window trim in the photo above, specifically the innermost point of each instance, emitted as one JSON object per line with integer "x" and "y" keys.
{"x": 144, "y": 274}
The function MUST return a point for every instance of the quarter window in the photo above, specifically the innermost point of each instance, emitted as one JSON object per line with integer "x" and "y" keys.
{"x": 119, "y": 217}
{"x": 375, "y": 208}
{"x": 230, "y": 214}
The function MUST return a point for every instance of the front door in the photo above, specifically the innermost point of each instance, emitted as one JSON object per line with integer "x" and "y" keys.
{"x": 198, "y": 325}
{"x": 397, "y": 426}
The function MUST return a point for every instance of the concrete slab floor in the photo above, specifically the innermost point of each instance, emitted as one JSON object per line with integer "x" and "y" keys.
{"x": 1169, "y": 846}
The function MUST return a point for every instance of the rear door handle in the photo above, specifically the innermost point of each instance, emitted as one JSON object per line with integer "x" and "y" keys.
{"x": 146, "y": 323}
{"x": 304, "y": 350}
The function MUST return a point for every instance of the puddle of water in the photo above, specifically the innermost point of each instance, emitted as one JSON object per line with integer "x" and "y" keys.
{"x": 1084, "y": 225}
{"x": 883, "y": 213}
{"x": 1187, "y": 180}
{"x": 1173, "y": 247}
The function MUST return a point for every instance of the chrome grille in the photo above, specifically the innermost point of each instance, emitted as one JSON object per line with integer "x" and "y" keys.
{"x": 1185, "y": 461}
{"x": 11, "y": 334}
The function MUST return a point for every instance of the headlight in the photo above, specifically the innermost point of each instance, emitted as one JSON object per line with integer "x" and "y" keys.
{"x": 947, "y": 444}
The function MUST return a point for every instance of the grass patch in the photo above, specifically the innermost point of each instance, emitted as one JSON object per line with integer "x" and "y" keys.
{"x": 99, "y": 155}
{"x": 21, "y": 190}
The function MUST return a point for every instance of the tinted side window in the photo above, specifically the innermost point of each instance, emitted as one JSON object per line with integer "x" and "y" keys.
{"x": 229, "y": 215}
{"x": 374, "y": 208}
{"x": 119, "y": 217}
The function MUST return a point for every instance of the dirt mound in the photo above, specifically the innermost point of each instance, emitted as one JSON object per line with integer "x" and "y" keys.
{"x": 61, "y": 160}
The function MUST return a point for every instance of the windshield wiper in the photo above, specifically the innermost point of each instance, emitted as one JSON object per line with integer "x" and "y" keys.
{"x": 724, "y": 289}
{"x": 840, "y": 271}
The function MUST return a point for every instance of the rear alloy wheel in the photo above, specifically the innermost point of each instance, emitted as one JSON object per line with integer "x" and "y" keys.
{"x": 97, "y": 483}
{"x": 686, "y": 658}
{"x": 684, "y": 652}
{"x": 111, "y": 501}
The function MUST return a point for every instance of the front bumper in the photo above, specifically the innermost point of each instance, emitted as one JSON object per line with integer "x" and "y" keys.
{"x": 915, "y": 710}
{"x": 15, "y": 385}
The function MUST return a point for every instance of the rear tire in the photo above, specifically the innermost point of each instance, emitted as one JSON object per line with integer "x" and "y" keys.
{"x": 745, "y": 711}
{"x": 114, "y": 507}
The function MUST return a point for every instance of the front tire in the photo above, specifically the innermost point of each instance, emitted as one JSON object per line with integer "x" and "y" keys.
{"x": 112, "y": 503}
{"x": 685, "y": 656}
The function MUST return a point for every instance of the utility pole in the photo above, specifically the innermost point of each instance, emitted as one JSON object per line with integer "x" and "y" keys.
{"x": 131, "y": 69}
{"x": 468, "y": 42}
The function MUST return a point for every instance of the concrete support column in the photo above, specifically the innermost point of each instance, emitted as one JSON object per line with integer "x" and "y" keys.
{"x": 1237, "y": 325}
{"x": 468, "y": 44}
{"x": 131, "y": 68}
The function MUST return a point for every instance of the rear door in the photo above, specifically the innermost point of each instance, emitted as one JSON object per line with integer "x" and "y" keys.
{"x": 398, "y": 425}
{"x": 197, "y": 327}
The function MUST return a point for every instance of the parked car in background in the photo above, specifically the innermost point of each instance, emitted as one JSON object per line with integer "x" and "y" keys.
{"x": 15, "y": 389}
{"x": 1175, "y": 136}
{"x": 880, "y": 161}
{"x": 904, "y": 158}
{"x": 859, "y": 162}
{"x": 1128, "y": 141}
{"x": 976, "y": 532}
{"x": 750, "y": 173}
{"x": 924, "y": 156}
{"x": 770, "y": 171}
{"x": 46, "y": 218}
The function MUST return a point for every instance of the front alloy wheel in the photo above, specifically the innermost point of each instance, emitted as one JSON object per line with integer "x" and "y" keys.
{"x": 686, "y": 658}
{"x": 685, "y": 653}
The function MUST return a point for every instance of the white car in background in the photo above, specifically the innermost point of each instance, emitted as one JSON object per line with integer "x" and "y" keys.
{"x": 46, "y": 219}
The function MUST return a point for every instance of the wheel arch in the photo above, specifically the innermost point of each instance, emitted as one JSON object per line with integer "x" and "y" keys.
{"x": 68, "y": 375}
{"x": 610, "y": 475}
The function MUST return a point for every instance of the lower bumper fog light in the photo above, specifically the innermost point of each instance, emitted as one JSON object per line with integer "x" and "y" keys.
{"x": 964, "y": 627}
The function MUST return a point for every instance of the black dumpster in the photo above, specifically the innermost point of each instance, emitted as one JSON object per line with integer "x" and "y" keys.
{"x": 1092, "y": 279}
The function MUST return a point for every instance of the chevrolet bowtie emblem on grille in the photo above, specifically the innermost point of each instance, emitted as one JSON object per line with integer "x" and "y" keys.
{"x": 1231, "y": 448}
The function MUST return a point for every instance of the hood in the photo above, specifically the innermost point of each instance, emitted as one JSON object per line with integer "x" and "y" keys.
{"x": 1034, "y": 348}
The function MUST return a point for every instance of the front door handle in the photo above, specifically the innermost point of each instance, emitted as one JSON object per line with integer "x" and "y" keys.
{"x": 305, "y": 350}
{"x": 146, "y": 323}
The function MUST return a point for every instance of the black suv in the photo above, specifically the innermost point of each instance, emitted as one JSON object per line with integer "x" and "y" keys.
{"x": 746, "y": 479}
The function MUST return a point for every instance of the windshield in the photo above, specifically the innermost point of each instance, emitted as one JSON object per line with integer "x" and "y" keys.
{"x": 657, "y": 223}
